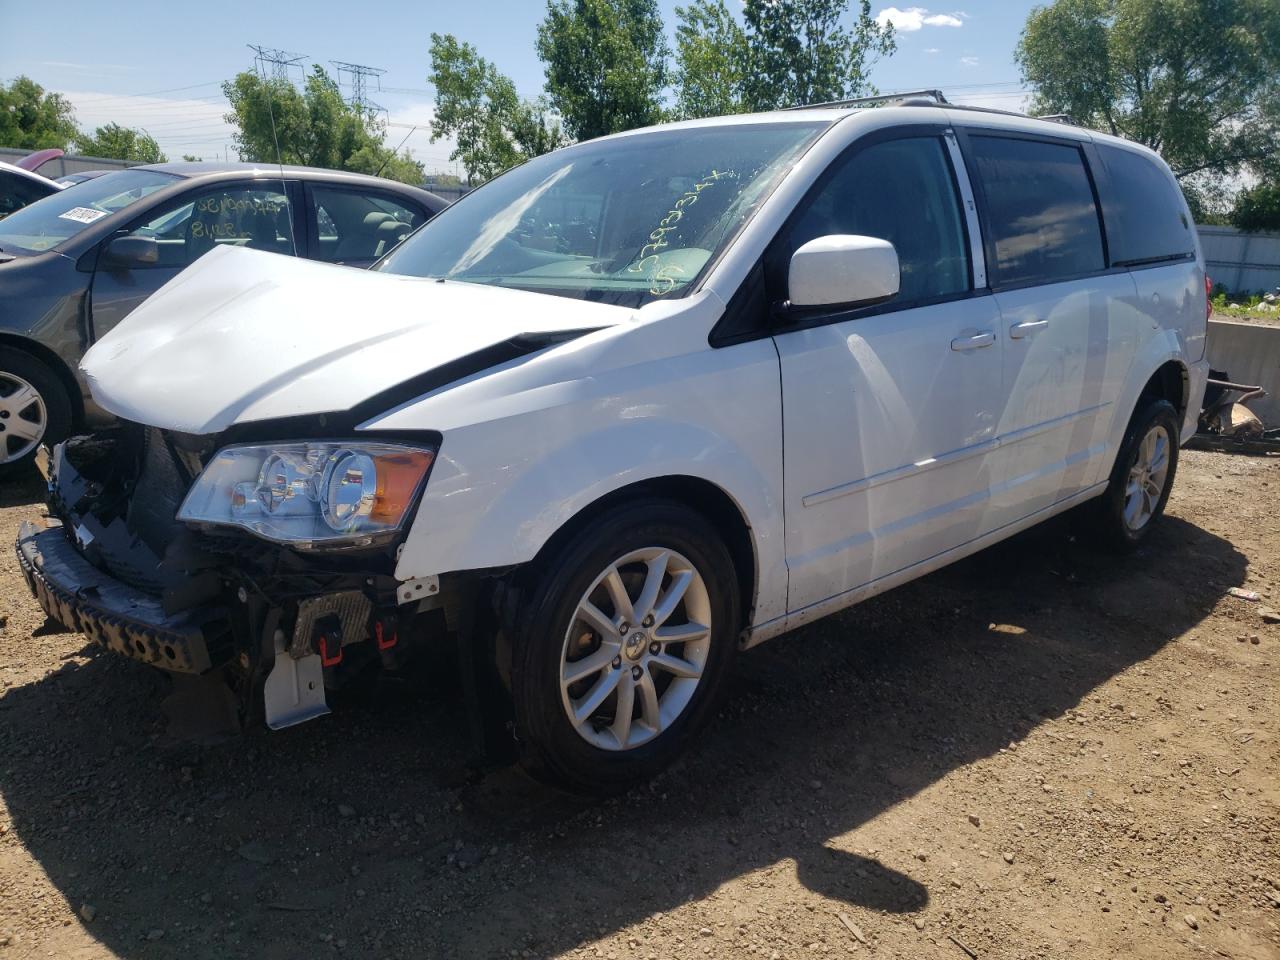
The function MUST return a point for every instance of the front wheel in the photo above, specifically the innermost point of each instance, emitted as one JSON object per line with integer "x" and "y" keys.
{"x": 622, "y": 647}
{"x": 1142, "y": 477}
{"x": 34, "y": 409}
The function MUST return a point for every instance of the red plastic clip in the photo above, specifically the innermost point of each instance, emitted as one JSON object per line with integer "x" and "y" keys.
{"x": 385, "y": 642}
{"x": 326, "y": 660}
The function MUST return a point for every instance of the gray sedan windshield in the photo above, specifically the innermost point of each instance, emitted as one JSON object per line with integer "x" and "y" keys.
{"x": 56, "y": 218}
{"x": 626, "y": 220}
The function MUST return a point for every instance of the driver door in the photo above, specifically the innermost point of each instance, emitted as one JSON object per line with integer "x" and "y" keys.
{"x": 889, "y": 411}
{"x": 253, "y": 214}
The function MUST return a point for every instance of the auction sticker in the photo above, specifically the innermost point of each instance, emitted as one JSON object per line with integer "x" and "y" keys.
{"x": 83, "y": 214}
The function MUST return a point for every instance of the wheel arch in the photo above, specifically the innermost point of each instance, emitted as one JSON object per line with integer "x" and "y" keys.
{"x": 1171, "y": 381}
{"x": 699, "y": 494}
{"x": 57, "y": 366}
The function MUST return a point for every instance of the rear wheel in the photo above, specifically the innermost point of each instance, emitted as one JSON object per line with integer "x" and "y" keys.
{"x": 1142, "y": 477}
{"x": 34, "y": 409}
{"x": 622, "y": 648}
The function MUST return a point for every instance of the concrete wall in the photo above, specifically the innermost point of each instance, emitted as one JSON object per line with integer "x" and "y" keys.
{"x": 1241, "y": 262}
{"x": 1250, "y": 353}
{"x": 63, "y": 165}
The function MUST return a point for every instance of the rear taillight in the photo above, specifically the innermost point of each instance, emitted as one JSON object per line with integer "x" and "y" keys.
{"x": 1208, "y": 296}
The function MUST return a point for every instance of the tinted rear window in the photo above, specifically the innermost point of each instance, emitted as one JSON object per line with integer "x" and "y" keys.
{"x": 1147, "y": 220}
{"x": 1042, "y": 219}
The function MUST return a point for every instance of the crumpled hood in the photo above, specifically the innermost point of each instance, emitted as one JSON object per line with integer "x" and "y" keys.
{"x": 245, "y": 335}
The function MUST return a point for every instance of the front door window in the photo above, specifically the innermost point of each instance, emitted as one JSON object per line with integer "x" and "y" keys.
{"x": 240, "y": 216}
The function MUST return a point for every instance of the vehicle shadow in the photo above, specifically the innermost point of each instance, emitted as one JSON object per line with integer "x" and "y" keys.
{"x": 352, "y": 832}
{"x": 27, "y": 487}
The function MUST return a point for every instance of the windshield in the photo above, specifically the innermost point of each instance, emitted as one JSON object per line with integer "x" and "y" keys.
{"x": 60, "y": 216}
{"x": 624, "y": 221}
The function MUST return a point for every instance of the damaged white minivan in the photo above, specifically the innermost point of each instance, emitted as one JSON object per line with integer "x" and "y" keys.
{"x": 629, "y": 408}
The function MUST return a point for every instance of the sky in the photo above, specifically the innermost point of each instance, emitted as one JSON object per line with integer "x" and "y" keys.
{"x": 159, "y": 65}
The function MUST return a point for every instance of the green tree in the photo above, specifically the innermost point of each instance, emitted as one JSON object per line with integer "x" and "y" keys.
{"x": 711, "y": 55}
{"x": 1257, "y": 208}
{"x": 1195, "y": 80}
{"x": 114, "y": 142}
{"x": 606, "y": 64}
{"x": 32, "y": 119}
{"x": 801, "y": 51}
{"x": 314, "y": 127}
{"x": 478, "y": 107}
{"x": 785, "y": 52}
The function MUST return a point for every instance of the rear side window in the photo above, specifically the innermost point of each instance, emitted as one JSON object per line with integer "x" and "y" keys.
{"x": 1041, "y": 216}
{"x": 17, "y": 192}
{"x": 358, "y": 227}
{"x": 901, "y": 191}
{"x": 1147, "y": 220}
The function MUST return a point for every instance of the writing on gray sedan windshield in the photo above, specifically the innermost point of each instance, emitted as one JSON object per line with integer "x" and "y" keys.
{"x": 626, "y": 220}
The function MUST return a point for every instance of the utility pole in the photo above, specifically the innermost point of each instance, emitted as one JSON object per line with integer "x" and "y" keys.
{"x": 280, "y": 61}
{"x": 359, "y": 77}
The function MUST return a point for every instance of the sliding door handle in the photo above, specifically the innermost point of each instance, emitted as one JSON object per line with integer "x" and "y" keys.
{"x": 975, "y": 342}
{"x": 1020, "y": 330}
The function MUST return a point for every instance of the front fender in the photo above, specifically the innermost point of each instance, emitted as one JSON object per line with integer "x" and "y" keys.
{"x": 503, "y": 485}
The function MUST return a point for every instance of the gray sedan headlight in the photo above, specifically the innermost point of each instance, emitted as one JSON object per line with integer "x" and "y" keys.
{"x": 321, "y": 494}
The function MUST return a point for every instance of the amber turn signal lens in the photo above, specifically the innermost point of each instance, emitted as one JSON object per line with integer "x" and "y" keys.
{"x": 399, "y": 475}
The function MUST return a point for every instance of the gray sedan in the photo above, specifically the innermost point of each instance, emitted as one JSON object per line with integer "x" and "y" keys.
{"x": 75, "y": 264}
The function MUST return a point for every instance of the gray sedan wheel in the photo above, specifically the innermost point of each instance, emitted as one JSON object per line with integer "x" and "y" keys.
{"x": 34, "y": 409}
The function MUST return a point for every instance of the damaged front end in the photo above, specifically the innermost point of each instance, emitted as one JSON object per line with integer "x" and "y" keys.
{"x": 270, "y": 565}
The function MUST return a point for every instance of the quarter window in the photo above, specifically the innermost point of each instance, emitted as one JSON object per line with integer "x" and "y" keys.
{"x": 1147, "y": 219}
{"x": 901, "y": 191}
{"x": 1041, "y": 216}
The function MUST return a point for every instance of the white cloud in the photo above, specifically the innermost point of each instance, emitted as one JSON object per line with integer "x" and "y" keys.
{"x": 916, "y": 18}
{"x": 191, "y": 126}
{"x": 1016, "y": 100}
{"x": 969, "y": 61}
{"x": 932, "y": 50}
{"x": 196, "y": 126}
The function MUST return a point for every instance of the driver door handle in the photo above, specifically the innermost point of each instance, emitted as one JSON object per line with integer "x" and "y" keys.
{"x": 1020, "y": 330}
{"x": 976, "y": 342}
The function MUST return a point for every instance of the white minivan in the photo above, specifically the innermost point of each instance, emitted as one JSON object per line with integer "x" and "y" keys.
{"x": 629, "y": 408}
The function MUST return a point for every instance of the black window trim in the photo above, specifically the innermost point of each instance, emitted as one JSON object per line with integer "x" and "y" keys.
{"x": 730, "y": 330}
{"x": 1092, "y": 168}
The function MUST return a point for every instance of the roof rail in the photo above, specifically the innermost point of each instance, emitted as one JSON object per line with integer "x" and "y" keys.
{"x": 912, "y": 98}
{"x": 935, "y": 95}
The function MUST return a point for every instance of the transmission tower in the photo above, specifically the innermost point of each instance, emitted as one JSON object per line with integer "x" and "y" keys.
{"x": 359, "y": 76}
{"x": 279, "y": 60}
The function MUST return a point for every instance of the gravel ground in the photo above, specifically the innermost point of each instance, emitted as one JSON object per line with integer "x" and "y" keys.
{"x": 1039, "y": 752}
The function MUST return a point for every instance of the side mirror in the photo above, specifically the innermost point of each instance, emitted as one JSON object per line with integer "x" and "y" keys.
{"x": 843, "y": 270}
{"x": 123, "y": 253}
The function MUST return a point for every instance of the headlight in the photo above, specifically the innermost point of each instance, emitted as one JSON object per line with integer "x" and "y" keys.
{"x": 322, "y": 494}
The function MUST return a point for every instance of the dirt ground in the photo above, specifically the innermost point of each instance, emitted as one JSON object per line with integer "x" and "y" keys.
{"x": 1040, "y": 752}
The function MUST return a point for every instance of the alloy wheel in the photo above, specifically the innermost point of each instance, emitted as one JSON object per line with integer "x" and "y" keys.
{"x": 23, "y": 417}
{"x": 635, "y": 649}
{"x": 1147, "y": 478}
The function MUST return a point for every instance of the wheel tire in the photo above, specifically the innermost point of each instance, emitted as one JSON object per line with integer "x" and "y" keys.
{"x": 552, "y": 749}
{"x": 1113, "y": 529}
{"x": 18, "y": 368}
